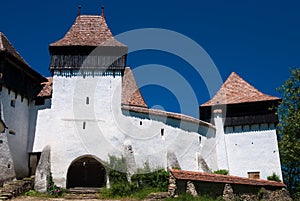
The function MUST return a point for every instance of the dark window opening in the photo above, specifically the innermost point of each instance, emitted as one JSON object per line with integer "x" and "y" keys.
{"x": 141, "y": 123}
{"x": 13, "y": 103}
{"x": 162, "y": 132}
{"x": 39, "y": 101}
{"x": 87, "y": 100}
{"x": 12, "y": 132}
{"x": 84, "y": 125}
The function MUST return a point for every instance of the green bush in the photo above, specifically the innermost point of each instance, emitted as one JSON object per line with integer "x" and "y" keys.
{"x": 274, "y": 177}
{"x": 222, "y": 171}
{"x": 31, "y": 193}
{"x": 158, "y": 179}
{"x": 142, "y": 183}
{"x": 117, "y": 170}
{"x": 52, "y": 189}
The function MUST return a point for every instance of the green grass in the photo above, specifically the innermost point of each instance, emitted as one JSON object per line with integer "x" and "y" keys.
{"x": 33, "y": 193}
{"x": 121, "y": 191}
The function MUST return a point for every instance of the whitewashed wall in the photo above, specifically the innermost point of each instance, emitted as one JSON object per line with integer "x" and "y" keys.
{"x": 17, "y": 120}
{"x": 106, "y": 128}
{"x": 253, "y": 151}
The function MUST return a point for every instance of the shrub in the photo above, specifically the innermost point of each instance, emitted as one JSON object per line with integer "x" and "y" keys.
{"x": 222, "y": 171}
{"x": 117, "y": 172}
{"x": 274, "y": 177}
{"x": 142, "y": 183}
{"x": 158, "y": 179}
{"x": 31, "y": 193}
{"x": 52, "y": 189}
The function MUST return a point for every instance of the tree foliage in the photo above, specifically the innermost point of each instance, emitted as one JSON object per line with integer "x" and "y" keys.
{"x": 289, "y": 130}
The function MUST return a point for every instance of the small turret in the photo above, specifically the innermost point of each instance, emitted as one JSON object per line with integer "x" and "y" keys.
{"x": 87, "y": 48}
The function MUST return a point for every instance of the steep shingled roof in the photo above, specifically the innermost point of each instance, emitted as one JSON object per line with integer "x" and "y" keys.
{"x": 131, "y": 94}
{"x": 88, "y": 30}
{"x": 5, "y": 45}
{"x": 218, "y": 178}
{"x": 47, "y": 88}
{"x": 236, "y": 90}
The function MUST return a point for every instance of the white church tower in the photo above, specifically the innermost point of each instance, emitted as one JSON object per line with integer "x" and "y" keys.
{"x": 87, "y": 66}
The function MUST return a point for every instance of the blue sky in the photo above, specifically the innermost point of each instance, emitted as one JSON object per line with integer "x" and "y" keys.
{"x": 259, "y": 40}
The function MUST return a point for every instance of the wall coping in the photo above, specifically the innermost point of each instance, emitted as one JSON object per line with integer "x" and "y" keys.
{"x": 218, "y": 178}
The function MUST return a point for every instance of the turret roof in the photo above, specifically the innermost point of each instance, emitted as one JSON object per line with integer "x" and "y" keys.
{"x": 88, "y": 30}
{"x": 131, "y": 94}
{"x": 236, "y": 90}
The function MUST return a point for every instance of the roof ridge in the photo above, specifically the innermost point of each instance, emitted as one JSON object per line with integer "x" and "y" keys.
{"x": 5, "y": 45}
{"x": 236, "y": 90}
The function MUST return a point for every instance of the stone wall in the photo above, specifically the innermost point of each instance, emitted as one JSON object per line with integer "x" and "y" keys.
{"x": 15, "y": 188}
{"x": 231, "y": 188}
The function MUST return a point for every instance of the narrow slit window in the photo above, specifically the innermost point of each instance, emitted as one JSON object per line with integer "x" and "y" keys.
{"x": 162, "y": 132}
{"x": 87, "y": 101}
{"x": 141, "y": 123}
{"x": 13, "y": 103}
{"x": 84, "y": 125}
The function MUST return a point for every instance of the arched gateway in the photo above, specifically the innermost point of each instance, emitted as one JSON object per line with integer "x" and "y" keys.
{"x": 86, "y": 171}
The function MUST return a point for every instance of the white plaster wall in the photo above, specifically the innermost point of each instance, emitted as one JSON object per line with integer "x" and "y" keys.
{"x": 221, "y": 153}
{"x": 33, "y": 119}
{"x": 253, "y": 151}
{"x": 106, "y": 128}
{"x": 17, "y": 119}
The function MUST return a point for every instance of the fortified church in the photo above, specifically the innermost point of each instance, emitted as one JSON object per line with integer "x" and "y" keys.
{"x": 91, "y": 109}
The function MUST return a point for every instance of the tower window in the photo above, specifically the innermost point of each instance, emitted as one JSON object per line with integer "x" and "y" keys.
{"x": 162, "y": 132}
{"x": 141, "y": 123}
{"x": 12, "y": 132}
{"x": 87, "y": 100}
{"x": 13, "y": 103}
{"x": 84, "y": 125}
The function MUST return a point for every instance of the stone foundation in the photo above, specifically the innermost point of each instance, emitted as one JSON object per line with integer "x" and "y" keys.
{"x": 15, "y": 188}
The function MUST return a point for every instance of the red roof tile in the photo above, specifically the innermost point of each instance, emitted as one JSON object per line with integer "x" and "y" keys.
{"x": 88, "y": 30}
{"x": 236, "y": 90}
{"x": 218, "y": 178}
{"x": 131, "y": 94}
{"x": 47, "y": 88}
{"x": 5, "y": 45}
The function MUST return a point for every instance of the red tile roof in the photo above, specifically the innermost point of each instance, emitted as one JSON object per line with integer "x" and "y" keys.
{"x": 5, "y": 45}
{"x": 131, "y": 94}
{"x": 47, "y": 88}
{"x": 162, "y": 113}
{"x": 218, "y": 178}
{"x": 236, "y": 90}
{"x": 88, "y": 30}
